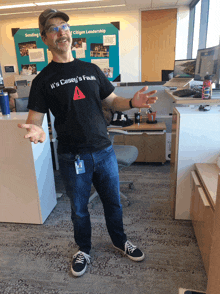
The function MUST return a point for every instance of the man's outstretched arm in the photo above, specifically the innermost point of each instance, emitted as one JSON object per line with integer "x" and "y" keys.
{"x": 34, "y": 127}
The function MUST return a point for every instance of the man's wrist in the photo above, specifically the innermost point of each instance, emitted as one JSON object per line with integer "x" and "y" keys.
{"x": 130, "y": 103}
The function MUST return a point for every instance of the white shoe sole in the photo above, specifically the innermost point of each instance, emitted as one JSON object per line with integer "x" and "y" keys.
{"x": 78, "y": 274}
{"x": 132, "y": 258}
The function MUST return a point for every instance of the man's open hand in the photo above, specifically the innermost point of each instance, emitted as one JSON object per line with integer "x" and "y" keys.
{"x": 35, "y": 133}
{"x": 141, "y": 100}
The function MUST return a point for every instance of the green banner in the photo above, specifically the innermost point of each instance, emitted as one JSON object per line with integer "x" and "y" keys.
{"x": 98, "y": 44}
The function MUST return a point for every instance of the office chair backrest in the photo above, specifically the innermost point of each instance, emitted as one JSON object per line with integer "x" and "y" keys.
{"x": 21, "y": 104}
{"x": 21, "y": 83}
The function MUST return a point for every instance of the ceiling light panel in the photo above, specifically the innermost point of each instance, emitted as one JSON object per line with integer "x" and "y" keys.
{"x": 44, "y": 3}
{"x": 18, "y": 6}
{"x": 62, "y": 2}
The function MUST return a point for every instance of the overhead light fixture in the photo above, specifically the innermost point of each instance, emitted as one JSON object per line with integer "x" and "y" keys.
{"x": 94, "y": 7}
{"x": 44, "y": 3}
{"x": 62, "y": 2}
{"x": 64, "y": 9}
{"x": 22, "y": 12}
{"x": 17, "y": 6}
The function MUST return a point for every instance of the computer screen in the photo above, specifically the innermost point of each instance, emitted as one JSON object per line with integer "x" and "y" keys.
{"x": 208, "y": 62}
{"x": 184, "y": 68}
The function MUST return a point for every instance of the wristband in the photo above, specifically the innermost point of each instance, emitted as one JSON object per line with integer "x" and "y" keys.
{"x": 131, "y": 103}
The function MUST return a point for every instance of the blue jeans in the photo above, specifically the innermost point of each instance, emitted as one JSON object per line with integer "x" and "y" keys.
{"x": 101, "y": 169}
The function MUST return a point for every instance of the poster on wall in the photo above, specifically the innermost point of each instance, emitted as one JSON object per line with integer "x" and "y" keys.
{"x": 98, "y": 44}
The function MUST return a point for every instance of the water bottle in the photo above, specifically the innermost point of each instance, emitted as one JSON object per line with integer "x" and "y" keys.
{"x": 4, "y": 102}
{"x": 207, "y": 87}
{"x": 138, "y": 117}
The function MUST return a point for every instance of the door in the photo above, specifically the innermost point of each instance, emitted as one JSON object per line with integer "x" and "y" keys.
{"x": 158, "y": 40}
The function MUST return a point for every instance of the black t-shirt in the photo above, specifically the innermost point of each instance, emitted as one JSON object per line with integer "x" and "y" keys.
{"x": 73, "y": 92}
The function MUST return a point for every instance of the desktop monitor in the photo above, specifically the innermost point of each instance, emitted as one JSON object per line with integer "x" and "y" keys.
{"x": 208, "y": 61}
{"x": 184, "y": 68}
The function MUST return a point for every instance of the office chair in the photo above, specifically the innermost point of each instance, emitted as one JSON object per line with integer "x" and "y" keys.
{"x": 125, "y": 155}
{"x": 21, "y": 83}
{"x": 21, "y": 104}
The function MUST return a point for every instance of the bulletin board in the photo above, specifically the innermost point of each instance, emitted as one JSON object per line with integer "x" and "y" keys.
{"x": 97, "y": 44}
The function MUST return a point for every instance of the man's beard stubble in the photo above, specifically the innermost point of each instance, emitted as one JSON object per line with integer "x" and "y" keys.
{"x": 56, "y": 48}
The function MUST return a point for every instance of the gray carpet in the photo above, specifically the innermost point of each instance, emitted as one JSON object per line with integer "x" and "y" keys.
{"x": 36, "y": 258}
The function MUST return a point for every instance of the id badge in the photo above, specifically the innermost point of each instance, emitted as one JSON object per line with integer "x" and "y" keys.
{"x": 80, "y": 167}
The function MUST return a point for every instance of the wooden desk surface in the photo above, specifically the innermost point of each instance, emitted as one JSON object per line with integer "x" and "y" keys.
{"x": 145, "y": 127}
{"x": 189, "y": 100}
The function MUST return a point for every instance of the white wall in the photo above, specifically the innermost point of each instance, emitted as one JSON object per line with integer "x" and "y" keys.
{"x": 129, "y": 39}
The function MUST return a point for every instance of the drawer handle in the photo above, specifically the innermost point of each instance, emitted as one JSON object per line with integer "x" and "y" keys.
{"x": 155, "y": 133}
{"x": 195, "y": 178}
{"x": 203, "y": 197}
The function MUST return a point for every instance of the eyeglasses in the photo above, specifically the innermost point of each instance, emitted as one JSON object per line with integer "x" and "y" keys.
{"x": 52, "y": 29}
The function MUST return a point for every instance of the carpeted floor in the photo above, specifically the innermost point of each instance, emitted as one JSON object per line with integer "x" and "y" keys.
{"x": 36, "y": 258}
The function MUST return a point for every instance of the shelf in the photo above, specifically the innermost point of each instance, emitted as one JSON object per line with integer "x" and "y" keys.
{"x": 190, "y": 100}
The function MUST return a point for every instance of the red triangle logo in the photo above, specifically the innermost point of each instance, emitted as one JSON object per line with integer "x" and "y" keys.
{"x": 78, "y": 94}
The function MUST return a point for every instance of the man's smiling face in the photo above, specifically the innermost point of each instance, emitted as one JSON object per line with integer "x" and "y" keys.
{"x": 58, "y": 42}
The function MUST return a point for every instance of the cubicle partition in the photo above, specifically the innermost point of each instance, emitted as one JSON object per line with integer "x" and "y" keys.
{"x": 164, "y": 106}
{"x": 27, "y": 186}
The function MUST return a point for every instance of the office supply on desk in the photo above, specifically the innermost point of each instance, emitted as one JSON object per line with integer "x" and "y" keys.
{"x": 121, "y": 119}
{"x": 137, "y": 117}
{"x": 151, "y": 116}
{"x": 207, "y": 87}
{"x": 204, "y": 107}
{"x": 186, "y": 93}
{"x": 183, "y": 73}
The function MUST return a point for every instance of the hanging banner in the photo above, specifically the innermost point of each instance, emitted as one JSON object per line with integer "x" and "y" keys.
{"x": 97, "y": 44}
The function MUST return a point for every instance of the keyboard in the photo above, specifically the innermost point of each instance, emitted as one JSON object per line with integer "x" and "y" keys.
{"x": 185, "y": 93}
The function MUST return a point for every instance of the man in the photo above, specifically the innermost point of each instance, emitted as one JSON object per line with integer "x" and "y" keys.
{"x": 73, "y": 90}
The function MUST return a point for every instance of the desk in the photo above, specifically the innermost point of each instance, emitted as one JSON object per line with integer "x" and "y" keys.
{"x": 150, "y": 140}
{"x": 27, "y": 187}
{"x": 195, "y": 139}
{"x": 215, "y": 100}
{"x": 203, "y": 203}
